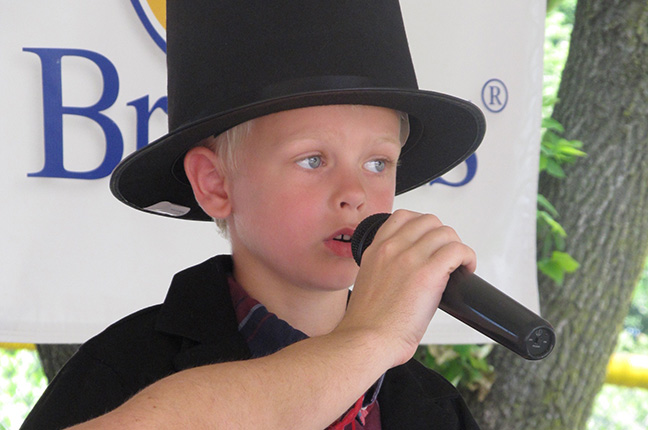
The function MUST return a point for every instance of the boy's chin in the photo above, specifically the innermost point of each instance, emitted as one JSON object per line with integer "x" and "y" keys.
{"x": 344, "y": 277}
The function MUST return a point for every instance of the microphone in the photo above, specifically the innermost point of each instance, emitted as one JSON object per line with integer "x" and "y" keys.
{"x": 478, "y": 304}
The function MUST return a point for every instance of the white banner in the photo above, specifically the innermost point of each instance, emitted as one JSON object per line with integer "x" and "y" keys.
{"x": 83, "y": 84}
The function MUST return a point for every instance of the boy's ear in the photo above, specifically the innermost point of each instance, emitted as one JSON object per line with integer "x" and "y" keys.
{"x": 208, "y": 181}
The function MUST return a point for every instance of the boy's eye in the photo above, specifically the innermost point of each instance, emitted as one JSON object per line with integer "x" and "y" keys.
{"x": 376, "y": 166}
{"x": 312, "y": 162}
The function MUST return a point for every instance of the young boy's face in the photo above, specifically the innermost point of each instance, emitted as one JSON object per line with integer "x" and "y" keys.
{"x": 304, "y": 180}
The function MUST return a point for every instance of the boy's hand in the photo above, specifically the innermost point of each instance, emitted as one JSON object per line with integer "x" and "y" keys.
{"x": 402, "y": 278}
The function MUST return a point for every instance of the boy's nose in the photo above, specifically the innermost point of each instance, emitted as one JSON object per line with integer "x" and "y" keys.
{"x": 351, "y": 193}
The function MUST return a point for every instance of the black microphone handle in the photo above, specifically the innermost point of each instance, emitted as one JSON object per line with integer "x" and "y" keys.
{"x": 480, "y": 305}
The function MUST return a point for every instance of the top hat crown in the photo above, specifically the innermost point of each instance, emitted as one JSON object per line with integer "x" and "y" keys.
{"x": 230, "y": 61}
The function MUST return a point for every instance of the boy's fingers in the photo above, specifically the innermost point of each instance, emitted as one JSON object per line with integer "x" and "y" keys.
{"x": 450, "y": 256}
{"x": 405, "y": 228}
{"x": 418, "y": 237}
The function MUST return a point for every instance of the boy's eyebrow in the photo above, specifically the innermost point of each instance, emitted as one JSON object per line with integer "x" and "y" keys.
{"x": 298, "y": 138}
{"x": 390, "y": 139}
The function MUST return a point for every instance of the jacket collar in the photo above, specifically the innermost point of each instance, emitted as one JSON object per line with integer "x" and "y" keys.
{"x": 198, "y": 308}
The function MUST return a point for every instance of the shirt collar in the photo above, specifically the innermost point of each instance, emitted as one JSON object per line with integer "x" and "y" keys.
{"x": 263, "y": 331}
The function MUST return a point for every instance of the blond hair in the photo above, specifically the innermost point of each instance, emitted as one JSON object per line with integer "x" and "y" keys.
{"x": 225, "y": 146}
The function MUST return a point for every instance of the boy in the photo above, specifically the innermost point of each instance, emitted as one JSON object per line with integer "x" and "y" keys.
{"x": 313, "y": 105}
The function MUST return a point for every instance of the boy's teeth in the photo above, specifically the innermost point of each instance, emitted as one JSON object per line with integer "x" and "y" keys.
{"x": 343, "y": 238}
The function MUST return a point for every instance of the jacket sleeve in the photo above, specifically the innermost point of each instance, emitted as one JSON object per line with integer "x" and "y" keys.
{"x": 83, "y": 389}
{"x": 415, "y": 397}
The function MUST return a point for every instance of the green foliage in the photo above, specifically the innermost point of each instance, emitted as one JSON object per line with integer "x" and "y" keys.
{"x": 463, "y": 365}
{"x": 555, "y": 151}
{"x": 558, "y": 27}
{"x": 557, "y": 265}
{"x": 619, "y": 408}
{"x": 22, "y": 381}
{"x": 553, "y": 261}
{"x": 564, "y": 6}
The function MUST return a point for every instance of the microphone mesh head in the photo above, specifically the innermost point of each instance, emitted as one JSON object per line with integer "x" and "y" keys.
{"x": 364, "y": 234}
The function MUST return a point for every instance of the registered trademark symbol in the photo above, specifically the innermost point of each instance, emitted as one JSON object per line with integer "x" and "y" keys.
{"x": 494, "y": 95}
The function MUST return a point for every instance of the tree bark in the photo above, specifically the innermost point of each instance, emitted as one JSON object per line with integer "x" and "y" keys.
{"x": 603, "y": 206}
{"x": 54, "y": 356}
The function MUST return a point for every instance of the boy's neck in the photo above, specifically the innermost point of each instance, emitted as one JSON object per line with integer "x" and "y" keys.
{"x": 313, "y": 312}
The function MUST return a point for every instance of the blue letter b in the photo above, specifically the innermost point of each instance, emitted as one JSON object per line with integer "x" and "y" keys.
{"x": 53, "y": 111}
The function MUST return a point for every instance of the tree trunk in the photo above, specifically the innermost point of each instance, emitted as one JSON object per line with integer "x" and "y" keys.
{"x": 54, "y": 356}
{"x": 603, "y": 206}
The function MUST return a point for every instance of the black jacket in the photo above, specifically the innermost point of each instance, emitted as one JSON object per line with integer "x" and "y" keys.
{"x": 196, "y": 325}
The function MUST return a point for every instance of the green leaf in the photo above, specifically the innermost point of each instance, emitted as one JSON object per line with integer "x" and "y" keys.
{"x": 570, "y": 150}
{"x": 549, "y": 138}
{"x": 556, "y": 266}
{"x": 555, "y": 227}
{"x": 559, "y": 240}
{"x": 549, "y": 100}
{"x": 552, "y": 4}
{"x": 565, "y": 261}
{"x": 463, "y": 350}
{"x": 543, "y": 162}
{"x": 546, "y": 204}
{"x": 453, "y": 372}
{"x": 552, "y": 270}
{"x": 554, "y": 169}
{"x": 552, "y": 124}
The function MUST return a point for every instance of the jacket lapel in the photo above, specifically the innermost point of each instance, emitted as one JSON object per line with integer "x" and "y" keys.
{"x": 198, "y": 308}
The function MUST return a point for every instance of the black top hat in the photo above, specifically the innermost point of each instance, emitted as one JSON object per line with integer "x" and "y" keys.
{"x": 230, "y": 61}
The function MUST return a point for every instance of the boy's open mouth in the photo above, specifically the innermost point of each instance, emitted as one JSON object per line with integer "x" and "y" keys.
{"x": 342, "y": 238}
{"x": 340, "y": 243}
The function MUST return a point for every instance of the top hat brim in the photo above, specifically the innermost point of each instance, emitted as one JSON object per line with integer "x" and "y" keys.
{"x": 444, "y": 131}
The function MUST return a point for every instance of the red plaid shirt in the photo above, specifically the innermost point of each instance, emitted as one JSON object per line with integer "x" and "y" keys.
{"x": 265, "y": 334}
